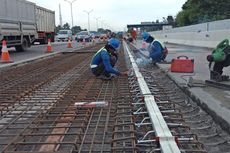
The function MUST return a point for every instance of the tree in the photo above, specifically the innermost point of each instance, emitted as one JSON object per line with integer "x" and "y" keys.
{"x": 182, "y": 19}
{"x": 200, "y": 11}
{"x": 66, "y": 26}
{"x": 76, "y": 29}
{"x": 59, "y": 27}
{"x": 170, "y": 20}
{"x": 101, "y": 30}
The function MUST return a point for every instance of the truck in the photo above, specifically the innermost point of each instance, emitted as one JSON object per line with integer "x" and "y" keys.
{"x": 45, "y": 20}
{"x": 23, "y": 22}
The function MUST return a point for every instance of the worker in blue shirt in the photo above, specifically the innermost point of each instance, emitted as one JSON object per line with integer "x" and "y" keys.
{"x": 157, "y": 50}
{"x": 103, "y": 62}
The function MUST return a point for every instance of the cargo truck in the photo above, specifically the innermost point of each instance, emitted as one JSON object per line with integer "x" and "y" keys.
{"x": 23, "y": 22}
{"x": 45, "y": 21}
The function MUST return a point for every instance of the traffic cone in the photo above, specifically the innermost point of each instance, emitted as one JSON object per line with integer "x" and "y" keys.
{"x": 143, "y": 45}
{"x": 5, "y": 57}
{"x": 83, "y": 42}
{"x": 69, "y": 45}
{"x": 49, "y": 47}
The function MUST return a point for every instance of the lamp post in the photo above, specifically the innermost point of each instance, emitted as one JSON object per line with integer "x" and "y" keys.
{"x": 71, "y": 6}
{"x": 97, "y": 21}
{"x": 102, "y": 21}
{"x": 88, "y": 12}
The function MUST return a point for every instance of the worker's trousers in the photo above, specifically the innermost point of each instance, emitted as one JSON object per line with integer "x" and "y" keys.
{"x": 218, "y": 66}
{"x": 100, "y": 69}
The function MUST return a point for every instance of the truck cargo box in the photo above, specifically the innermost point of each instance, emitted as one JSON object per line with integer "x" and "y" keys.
{"x": 17, "y": 16}
{"x": 45, "y": 19}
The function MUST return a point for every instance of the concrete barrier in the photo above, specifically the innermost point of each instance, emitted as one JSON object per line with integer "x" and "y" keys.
{"x": 202, "y": 35}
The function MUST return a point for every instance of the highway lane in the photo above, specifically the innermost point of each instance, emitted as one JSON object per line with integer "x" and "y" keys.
{"x": 37, "y": 51}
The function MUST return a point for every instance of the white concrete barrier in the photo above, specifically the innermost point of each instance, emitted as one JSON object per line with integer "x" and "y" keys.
{"x": 203, "y": 35}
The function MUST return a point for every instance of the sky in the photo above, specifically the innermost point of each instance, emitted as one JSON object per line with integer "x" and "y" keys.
{"x": 112, "y": 14}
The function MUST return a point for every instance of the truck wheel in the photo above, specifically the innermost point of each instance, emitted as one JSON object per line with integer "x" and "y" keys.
{"x": 23, "y": 47}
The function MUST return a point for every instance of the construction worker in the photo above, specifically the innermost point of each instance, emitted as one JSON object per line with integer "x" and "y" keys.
{"x": 103, "y": 62}
{"x": 157, "y": 50}
{"x": 134, "y": 34}
{"x": 219, "y": 59}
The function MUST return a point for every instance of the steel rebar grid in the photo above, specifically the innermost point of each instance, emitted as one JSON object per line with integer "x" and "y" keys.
{"x": 171, "y": 114}
{"x": 60, "y": 86}
{"x": 28, "y": 107}
{"x": 53, "y": 119}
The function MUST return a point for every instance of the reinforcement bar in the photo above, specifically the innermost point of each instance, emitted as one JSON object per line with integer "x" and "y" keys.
{"x": 166, "y": 139}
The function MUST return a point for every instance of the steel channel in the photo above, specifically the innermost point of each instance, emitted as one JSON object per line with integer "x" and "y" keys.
{"x": 167, "y": 141}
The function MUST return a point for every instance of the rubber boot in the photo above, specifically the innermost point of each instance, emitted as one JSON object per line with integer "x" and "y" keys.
{"x": 215, "y": 76}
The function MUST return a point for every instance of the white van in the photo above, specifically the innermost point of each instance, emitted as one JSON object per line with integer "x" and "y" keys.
{"x": 64, "y": 35}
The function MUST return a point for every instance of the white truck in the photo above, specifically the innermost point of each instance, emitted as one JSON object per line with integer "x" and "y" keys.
{"x": 23, "y": 22}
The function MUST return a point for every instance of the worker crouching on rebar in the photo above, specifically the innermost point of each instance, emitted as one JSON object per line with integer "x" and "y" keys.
{"x": 103, "y": 62}
{"x": 157, "y": 50}
{"x": 219, "y": 59}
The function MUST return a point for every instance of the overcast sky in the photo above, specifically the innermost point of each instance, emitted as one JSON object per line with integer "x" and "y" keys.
{"x": 114, "y": 14}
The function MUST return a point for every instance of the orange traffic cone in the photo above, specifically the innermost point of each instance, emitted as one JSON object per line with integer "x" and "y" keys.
{"x": 69, "y": 45}
{"x": 143, "y": 45}
{"x": 83, "y": 42}
{"x": 49, "y": 47}
{"x": 5, "y": 57}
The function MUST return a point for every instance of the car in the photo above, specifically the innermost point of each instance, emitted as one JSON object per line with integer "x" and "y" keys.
{"x": 83, "y": 35}
{"x": 64, "y": 35}
{"x": 95, "y": 35}
{"x": 103, "y": 36}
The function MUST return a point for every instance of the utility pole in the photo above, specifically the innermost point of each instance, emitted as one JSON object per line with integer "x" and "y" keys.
{"x": 102, "y": 21}
{"x": 60, "y": 16}
{"x": 88, "y": 12}
{"x": 71, "y": 6}
{"x": 97, "y": 21}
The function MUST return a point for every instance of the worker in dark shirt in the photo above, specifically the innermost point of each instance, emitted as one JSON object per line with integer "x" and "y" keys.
{"x": 219, "y": 59}
{"x": 103, "y": 62}
{"x": 157, "y": 50}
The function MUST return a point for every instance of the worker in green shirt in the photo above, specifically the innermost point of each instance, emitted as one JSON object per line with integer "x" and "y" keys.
{"x": 219, "y": 59}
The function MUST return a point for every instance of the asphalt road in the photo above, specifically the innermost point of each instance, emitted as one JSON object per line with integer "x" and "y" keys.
{"x": 36, "y": 51}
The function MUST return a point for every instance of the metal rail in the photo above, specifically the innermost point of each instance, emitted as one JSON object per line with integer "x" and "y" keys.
{"x": 172, "y": 103}
{"x": 161, "y": 130}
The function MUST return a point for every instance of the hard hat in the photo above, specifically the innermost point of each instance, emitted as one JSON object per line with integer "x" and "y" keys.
{"x": 145, "y": 35}
{"x": 113, "y": 42}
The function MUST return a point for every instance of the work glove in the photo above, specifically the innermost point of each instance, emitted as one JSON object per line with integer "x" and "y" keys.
{"x": 227, "y": 50}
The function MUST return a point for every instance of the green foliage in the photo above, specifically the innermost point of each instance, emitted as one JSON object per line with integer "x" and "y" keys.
{"x": 66, "y": 26}
{"x": 76, "y": 29}
{"x": 170, "y": 20}
{"x": 101, "y": 30}
{"x": 200, "y": 11}
{"x": 58, "y": 28}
